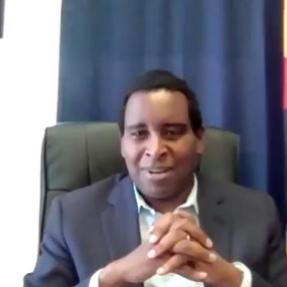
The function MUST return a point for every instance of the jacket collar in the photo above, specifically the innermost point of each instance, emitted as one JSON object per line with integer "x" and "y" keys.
{"x": 214, "y": 218}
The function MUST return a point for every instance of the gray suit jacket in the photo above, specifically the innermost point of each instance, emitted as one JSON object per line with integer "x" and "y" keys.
{"x": 90, "y": 227}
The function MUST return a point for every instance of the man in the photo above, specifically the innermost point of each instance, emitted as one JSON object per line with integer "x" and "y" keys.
{"x": 163, "y": 224}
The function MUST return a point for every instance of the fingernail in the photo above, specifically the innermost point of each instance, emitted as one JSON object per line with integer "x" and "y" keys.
{"x": 151, "y": 253}
{"x": 150, "y": 230}
{"x": 153, "y": 238}
{"x": 209, "y": 243}
{"x": 201, "y": 275}
{"x": 212, "y": 257}
{"x": 160, "y": 271}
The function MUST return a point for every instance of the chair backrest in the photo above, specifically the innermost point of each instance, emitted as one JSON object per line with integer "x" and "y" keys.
{"x": 77, "y": 154}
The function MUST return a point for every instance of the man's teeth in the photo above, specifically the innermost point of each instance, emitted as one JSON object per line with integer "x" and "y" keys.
{"x": 157, "y": 171}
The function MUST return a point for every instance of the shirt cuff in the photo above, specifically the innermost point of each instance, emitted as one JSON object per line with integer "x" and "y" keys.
{"x": 247, "y": 276}
{"x": 94, "y": 282}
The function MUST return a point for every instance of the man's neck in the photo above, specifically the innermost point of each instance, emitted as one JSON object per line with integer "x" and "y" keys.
{"x": 169, "y": 204}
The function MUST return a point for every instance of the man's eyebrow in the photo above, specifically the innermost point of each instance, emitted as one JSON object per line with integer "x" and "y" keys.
{"x": 135, "y": 126}
{"x": 175, "y": 125}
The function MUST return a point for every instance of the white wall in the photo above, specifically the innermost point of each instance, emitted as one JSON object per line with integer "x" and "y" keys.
{"x": 28, "y": 97}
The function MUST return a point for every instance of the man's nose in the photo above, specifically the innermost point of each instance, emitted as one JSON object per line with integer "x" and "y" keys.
{"x": 156, "y": 147}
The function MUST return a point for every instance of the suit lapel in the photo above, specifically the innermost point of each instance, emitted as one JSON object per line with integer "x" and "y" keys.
{"x": 120, "y": 221}
{"x": 213, "y": 217}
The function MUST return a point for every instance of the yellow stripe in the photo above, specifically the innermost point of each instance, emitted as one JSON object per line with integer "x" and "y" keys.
{"x": 285, "y": 28}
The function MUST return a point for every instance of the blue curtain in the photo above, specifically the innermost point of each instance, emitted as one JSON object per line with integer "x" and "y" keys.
{"x": 229, "y": 51}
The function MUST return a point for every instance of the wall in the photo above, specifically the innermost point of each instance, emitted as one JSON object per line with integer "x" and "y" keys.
{"x": 28, "y": 96}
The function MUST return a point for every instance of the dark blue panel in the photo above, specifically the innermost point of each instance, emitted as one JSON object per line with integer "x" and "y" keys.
{"x": 228, "y": 51}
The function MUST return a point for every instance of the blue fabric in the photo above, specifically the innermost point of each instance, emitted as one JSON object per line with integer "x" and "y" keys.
{"x": 228, "y": 51}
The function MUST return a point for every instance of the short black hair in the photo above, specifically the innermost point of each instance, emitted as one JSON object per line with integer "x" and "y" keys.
{"x": 161, "y": 79}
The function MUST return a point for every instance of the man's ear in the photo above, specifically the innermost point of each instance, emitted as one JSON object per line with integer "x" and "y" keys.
{"x": 122, "y": 146}
{"x": 200, "y": 146}
{"x": 200, "y": 142}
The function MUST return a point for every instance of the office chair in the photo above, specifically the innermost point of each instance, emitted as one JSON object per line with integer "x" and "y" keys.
{"x": 77, "y": 154}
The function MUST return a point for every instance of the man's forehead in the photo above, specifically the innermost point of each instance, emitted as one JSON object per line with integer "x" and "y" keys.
{"x": 160, "y": 94}
{"x": 170, "y": 124}
{"x": 156, "y": 108}
{"x": 162, "y": 101}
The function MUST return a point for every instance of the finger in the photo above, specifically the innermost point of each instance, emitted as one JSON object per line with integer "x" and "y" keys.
{"x": 172, "y": 264}
{"x": 161, "y": 227}
{"x": 167, "y": 242}
{"x": 184, "y": 214}
{"x": 201, "y": 235}
{"x": 188, "y": 271}
{"x": 178, "y": 264}
{"x": 179, "y": 220}
{"x": 194, "y": 231}
{"x": 194, "y": 251}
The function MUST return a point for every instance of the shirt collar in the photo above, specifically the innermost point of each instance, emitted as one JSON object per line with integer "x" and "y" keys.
{"x": 191, "y": 200}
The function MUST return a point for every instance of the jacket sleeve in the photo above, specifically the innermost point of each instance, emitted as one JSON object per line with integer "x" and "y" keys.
{"x": 276, "y": 257}
{"x": 55, "y": 265}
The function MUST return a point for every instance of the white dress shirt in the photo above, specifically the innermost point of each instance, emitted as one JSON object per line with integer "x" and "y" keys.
{"x": 147, "y": 217}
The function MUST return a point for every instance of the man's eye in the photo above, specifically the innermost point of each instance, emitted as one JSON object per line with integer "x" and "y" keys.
{"x": 139, "y": 134}
{"x": 173, "y": 133}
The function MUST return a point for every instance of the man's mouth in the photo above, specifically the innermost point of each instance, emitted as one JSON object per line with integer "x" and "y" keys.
{"x": 157, "y": 171}
{"x": 161, "y": 170}
{"x": 157, "y": 174}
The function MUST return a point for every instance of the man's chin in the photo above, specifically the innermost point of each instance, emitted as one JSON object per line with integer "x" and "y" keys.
{"x": 158, "y": 191}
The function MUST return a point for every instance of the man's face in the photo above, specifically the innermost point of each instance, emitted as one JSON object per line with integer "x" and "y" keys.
{"x": 159, "y": 146}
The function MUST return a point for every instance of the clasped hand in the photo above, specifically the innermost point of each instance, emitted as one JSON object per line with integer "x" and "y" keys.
{"x": 176, "y": 244}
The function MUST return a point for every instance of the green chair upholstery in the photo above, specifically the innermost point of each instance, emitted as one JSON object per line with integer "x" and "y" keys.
{"x": 77, "y": 154}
